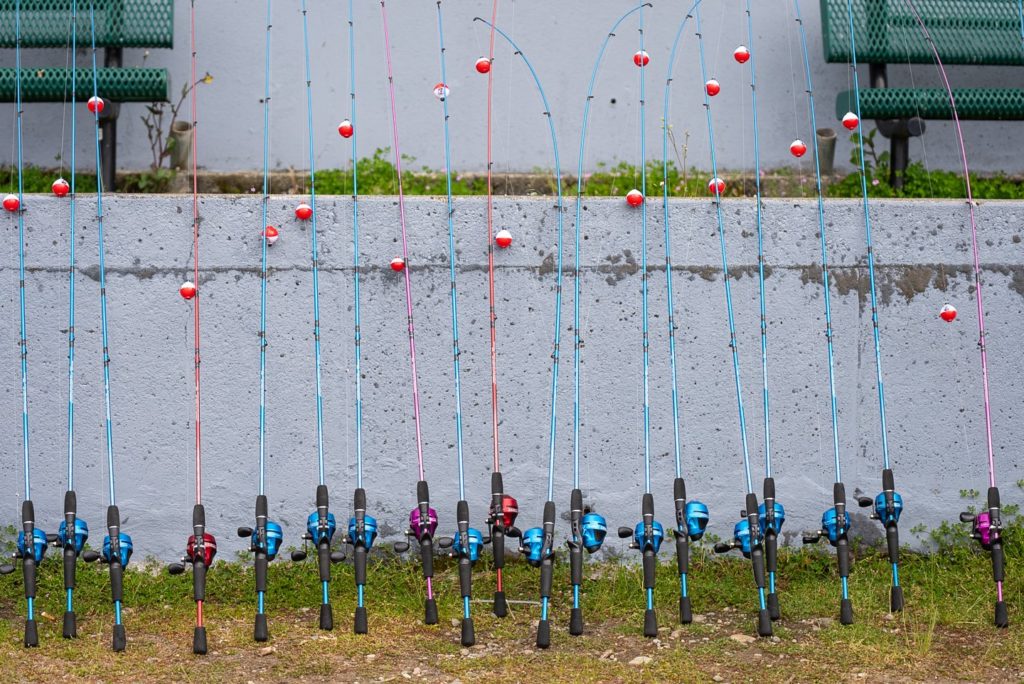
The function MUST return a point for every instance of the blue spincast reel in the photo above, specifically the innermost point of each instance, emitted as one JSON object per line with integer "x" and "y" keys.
{"x": 318, "y": 534}
{"x": 741, "y": 537}
{"x": 656, "y": 538}
{"x": 780, "y": 517}
{"x": 697, "y": 517}
{"x": 38, "y": 546}
{"x": 125, "y": 549}
{"x": 81, "y": 534}
{"x": 882, "y": 514}
{"x": 595, "y": 529}
{"x": 273, "y": 541}
{"x": 830, "y": 525}
{"x": 475, "y": 546}
{"x": 532, "y": 544}
{"x": 369, "y": 531}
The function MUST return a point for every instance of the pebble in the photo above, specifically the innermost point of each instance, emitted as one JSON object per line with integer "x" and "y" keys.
{"x": 718, "y": 678}
{"x": 370, "y": 657}
{"x": 700, "y": 619}
{"x": 640, "y": 660}
{"x": 605, "y": 655}
{"x": 742, "y": 638}
{"x": 267, "y": 650}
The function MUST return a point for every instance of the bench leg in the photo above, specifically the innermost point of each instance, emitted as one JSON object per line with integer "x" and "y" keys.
{"x": 108, "y": 128}
{"x": 899, "y": 158}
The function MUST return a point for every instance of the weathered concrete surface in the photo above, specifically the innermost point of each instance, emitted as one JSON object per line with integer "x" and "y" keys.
{"x": 931, "y": 368}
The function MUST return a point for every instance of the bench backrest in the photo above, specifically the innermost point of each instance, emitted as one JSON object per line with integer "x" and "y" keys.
{"x": 965, "y": 31}
{"x": 119, "y": 23}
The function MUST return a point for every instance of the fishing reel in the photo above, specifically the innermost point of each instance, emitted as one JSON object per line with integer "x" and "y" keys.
{"x": 887, "y": 507}
{"x": 200, "y": 550}
{"x": 501, "y": 519}
{"x": 531, "y": 545}
{"x": 422, "y": 526}
{"x": 76, "y": 541}
{"x": 771, "y": 519}
{"x": 268, "y": 542}
{"x": 696, "y": 517}
{"x": 987, "y": 530}
{"x": 119, "y": 551}
{"x": 319, "y": 530}
{"x": 740, "y": 539}
{"x": 30, "y": 551}
{"x": 642, "y": 540}
{"x": 831, "y": 529}
{"x": 116, "y": 552}
{"x": 362, "y": 532}
{"x": 984, "y": 529}
{"x": 692, "y": 519}
{"x": 470, "y": 548}
{"x": 505, "y": 514}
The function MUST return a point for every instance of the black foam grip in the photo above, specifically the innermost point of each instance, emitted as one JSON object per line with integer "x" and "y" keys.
{"x": 199, "y": 640}
{"x": 323, "y": 561}
{"x": 771, "y": 552}
{"x": 576, "y": 564}
{"x": 31, "y": 634}
{"x": 359, "y": 560}
{"x": 360, "y": 626}
{"x": 199, "y": 582}
{"x": 427, "y": 556}
{"x": 326, "y": 617}
{"x": 321, "y": 496}
{"x": 843, "y": 556}
{"x": 846, "y": 612}
{"x": 198, "y": 520}
{"x": 839, "y": 494}
{"x": 120, "y": 639}
{"x": 468, "y": 635}
{"x": 896, "y": 599}
{"x": 769, "y": 488}
{"x": 685, "y": 610}
{"x": 650, "y": 624}
{"x": 28, "y": 514}
{"x": 682, "y": 553}
{"x": 650, "y": 568}
{"x": 69, "y": 567}
{"x": 549, "y": 513}
{"x": 430, "y": 612}
{"x": 757, "y": 563}
{"x": 892, "y": 541}
{"x": 360, "y": 499}
{"x": 997, "y": 561}
{"x": 500, "y": 604}
{"x": 576, "y": 622}
{"x": 462, "y": 514}
{"x": 773, "y": 606}
{"x": 1002, "y": 616}
{"x": 544, "y": 634}
{"x": 117, "y": 581}
{"x": 465, "y": 576}
{"x": 888, "y": 481}
{"x": 28, "y": 573}
{"x": 764, "y": 623}
{"x": 422, "y": 492}
{"x": 70, "y": 502}
{"x": 546, "y": 572}
{"x": 261, "y": 506}
{"x": 576, "y": 501}
{"x": 70, "y": 625}
{"x": 679, "y": 488}
{"x": 497, "y": 484}
{"x": 647, "y": 505}
{"x": 751, "y": 504}
{"x": 260, "y": 631}
{"x": 261, "y": 571}
{"x": 498, "y": 547}
{"x": 993, "y": 497}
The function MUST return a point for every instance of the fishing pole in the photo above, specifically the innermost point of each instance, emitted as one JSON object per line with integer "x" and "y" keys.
{"x": 587, "y": 529}
{"x": 362, "y": 528}
{"x": 747, "y": 535}
{"x": 423, "y": 518}
{"x": 537, "y": 543}
{"x": 468, "y": 542}
{"x": 987, "y": 525}
{"x": 266, "y": 535}
{"x": 648, "y": 533}
{"x": 117, "y": 545}
{"x": 887, "y": 505}
{"x": 504, "y": 508}
{"x": 835, "y": 521}
{"x": 320, "y": 525}
{"x": 32, "y": 541}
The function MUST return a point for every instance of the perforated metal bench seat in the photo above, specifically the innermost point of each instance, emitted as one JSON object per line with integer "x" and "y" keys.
{"x": 119, "y": 23}
{"x": 985, "y": 104}
{"x": 117, "y": 85}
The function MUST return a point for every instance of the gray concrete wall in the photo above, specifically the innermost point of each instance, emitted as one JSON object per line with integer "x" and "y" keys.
{"x": 560, "y": 38}
{"x": 931, "y": 368}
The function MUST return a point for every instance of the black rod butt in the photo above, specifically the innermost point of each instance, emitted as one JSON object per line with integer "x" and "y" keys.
{"x": 773, "y": 606}
{"x": 500, "y": 604}
{"x": 261, "y": 632}
{"x": 326, "y": 617}
{"x": 846, "y": 612}
{"x": 70, "y": 625}
{"x": 576, "y": 622}
{"x": 764, "y": 623}
{"x": 685, "y": 610}
{"x": 468, "y": 636}
{"x": 199, "y": 641}
{"x": 120, "y": 639}
{"x": 650, "y": 624}
{"x": 1002, "y": 617}
{"x": 896, "y": 599}
{"x": 31, "y": 634}
{"x": 361, "y": 625}
{"x": 430, "y": 614}
{"x": 544, "y": 634}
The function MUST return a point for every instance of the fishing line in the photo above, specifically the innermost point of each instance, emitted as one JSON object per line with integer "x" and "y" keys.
{"x": 537, "y": 543}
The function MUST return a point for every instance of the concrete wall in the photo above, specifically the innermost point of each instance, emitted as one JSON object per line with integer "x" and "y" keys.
{"x": 933, "y": 385}
{"x": 560, "y": 38}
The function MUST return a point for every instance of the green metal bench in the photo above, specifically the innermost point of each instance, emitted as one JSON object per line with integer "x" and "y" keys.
{"x": 119, "y": 24}
{"x": 966, "y": 32}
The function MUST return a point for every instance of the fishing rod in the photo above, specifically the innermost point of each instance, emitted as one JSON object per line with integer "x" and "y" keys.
{"x": 504, "y": 508}
{"x": 423, "y": 518}
{"x": 362, "y": 528}
{"x": 747, "y": 535}
{"x": 987, "y": 526}
{"x": 887, "y": 505}
{"x": 468, "y": 542}
{"x": 117, "y": 545}
{"x": 537, "y": 543}
{"x": 32, "y": 541}
{"x": 266, "y": 535}
{"x": 587, "y": 529}
{"x": 320, "y": 525}
{"x": 835, "y": 521}
{"x": 648, "y": 533}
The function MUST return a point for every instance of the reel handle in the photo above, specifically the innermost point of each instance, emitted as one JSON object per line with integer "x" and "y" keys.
{"x": 625, "y": 532}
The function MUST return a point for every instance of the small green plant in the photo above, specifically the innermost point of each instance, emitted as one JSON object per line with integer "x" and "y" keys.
{"x": 161, "y": 144}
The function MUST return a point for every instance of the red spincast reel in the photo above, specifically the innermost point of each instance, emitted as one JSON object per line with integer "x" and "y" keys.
{"x": 209, "y": 549}
{"x": 509, "y": 511}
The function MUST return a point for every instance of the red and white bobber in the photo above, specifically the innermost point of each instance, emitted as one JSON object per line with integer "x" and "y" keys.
{"x": 60, "y": 187}
{"x": 634, "y": 198}
{"x": 271, "y": 235}
{"x": 187, "y": 290}
{"x": 11, "y": 203}
{"x": 398, "y": 264}
{"x": 948, "y": 313}
{"x": 641, "y": 58}
{"x": 303, "y": 212}
{"x": 503, "y": 238}
{"x": 850, "y": 121}
{"x": 741, "y": 54}
{"x": 798, "y": 148}
{"x": 441, "y": 91}
{"x": 716, "y": 186}
{"x": 345, "y": 129}
{"x": 483, "y": 65}
{"x": 95, "y": 104}
{"x": 712, "y": 87}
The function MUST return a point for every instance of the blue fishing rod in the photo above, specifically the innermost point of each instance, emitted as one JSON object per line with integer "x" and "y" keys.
{"x": 648, "y": 534}
{"x": 835, "y": 522}
{"x": 888, "y": 504}
{"x": 538, "y": 543}
{"x": 770, "y": 513}
{"x": 32, "y": 541}
{"x": 362, "y": 528}
{"x": 587, "y": 529}
{"x": 747, "y": 535}
{"x": 468, "y": 542}
{"x": 117, "y": 545}
{"x": 320, "y": 525}
{"x": 266, "y": 535}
